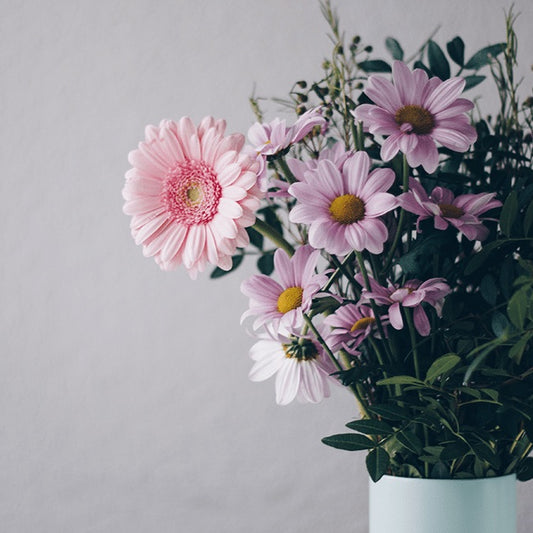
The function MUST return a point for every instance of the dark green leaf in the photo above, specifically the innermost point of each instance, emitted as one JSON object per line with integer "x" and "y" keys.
{"x": 440, "y": 471}
{"x": 517, "y": 350}
{"x": 472, "y": 81}
{"x": 265, "y": 264}
{"x": 456, "y": 50}
{"x": 420, "y": 65}
{"x": 489, "y": 289}
{"x": 517, "y": 308}
{"x": 236, "y": 261}
{"x": 349, "y": 441}
{"x": 484, "y": 56}
{"x": 393, "y": 46}
{"x": 255, "y": 237}
{"x": 437, "y": 61}
{"x": 374, "y": 65}
{"x": 528, "y": 426}
{"x": 401, "y": 380}
{"x": 508, "y": 213}
{"x": 524, "y": 471}
{"x": 483, "y": 451}
{"x": 441, "y": 366}
{"x": 370, "y": 427}
{"x": 410, "y": 441}
{"x": 390, "y": 412}
{"x": 499, "y": 324}
{"x": 528, "y": 219}
{"x": 454, "y": 451}
{"x": 377, "y": 463}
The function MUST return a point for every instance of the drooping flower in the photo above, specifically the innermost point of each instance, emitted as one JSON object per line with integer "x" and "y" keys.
{"x": 412, "y": 294}
{"x": 416, "y": 113}
{"x": 351, "y": 324}
{"x": 270, "y": 138}
{"x": 302, "y": 368}
{"x": 281, "y": 305}
{"x": 191, "y": 194}
{"x": 343, "y": 208}
{"x": 463, "y": 212}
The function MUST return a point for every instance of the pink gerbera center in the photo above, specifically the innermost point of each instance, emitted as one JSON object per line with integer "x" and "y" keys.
{"x": 192, "y": 193}
{"x": 451, "y": 211}
{"x": 347, "y": 209}
{"x": 414, "y": 119}
{"x": 362, "y": 323}
{"x": 290, "y": 299}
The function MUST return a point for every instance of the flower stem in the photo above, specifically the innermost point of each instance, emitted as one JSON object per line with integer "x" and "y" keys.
{"x": 273, "y": 235}
{"x": 289, "y": 176}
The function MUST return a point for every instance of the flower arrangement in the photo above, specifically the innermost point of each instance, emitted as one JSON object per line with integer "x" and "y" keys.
{"x": 393, "y": 229}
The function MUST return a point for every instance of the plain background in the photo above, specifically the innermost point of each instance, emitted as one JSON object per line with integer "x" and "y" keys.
{"x": 124, "y": 400}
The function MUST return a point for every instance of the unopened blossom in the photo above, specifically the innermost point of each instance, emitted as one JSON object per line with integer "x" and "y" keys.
{"x": 350, "y": 325}
{"x": 302, "y": 368}
{"x": 463, "y": 212}
{"x": 191, "y": 194}
{"x": 270, "y": 138}
{"x": 412, "y": 294}
{"x": 415, "y": 113}
{"x": 281, "y": 304}
{"x": 343, "y": 207}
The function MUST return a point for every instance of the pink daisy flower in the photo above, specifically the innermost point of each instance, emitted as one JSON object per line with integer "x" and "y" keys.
{"x": 191, "y": 194}
{"x": 303, "y": 371}
{"x": 351, "y": 324}
{"x": 416, "y": 113}
{"x": 281, "y": 305}
{"x": 274, "y": 137}
{"x": 462, "y": 212}
{"x": 343, "y": 208}
{"x": 412, "y": 294}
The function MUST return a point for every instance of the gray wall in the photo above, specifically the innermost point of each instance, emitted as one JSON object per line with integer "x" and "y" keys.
{"x": 124, "y": 400}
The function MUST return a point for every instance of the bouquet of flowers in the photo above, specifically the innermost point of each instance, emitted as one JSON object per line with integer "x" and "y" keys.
{"x": 393, "y": 229}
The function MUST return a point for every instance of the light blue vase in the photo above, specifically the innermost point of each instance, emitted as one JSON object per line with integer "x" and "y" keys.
{"x": 413, "y": 505}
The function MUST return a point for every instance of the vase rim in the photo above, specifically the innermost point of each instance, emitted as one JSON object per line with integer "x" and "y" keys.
{"x": 401, "y": 479}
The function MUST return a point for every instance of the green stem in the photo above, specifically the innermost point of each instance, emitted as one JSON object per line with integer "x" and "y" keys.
{"x": 289, "y": 176}
{"x": 401, "y": 219}
{"x": 273, "y": 235}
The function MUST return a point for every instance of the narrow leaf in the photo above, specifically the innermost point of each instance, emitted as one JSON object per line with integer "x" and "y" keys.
{"x": 393, "y": 46}
{"x": 410, "y": 441}
{"x": 389, "y": 412}
{"x": 349, "y": 441}
{"x": 377, "y": 463}
{"x": 485, "y": 56}
{"x": 517, "y": 308}
{"x": 437, "y": 61}
{"x": 401, "y": 380}
{"x": 441, "y": 366}
{"x": 370, "y": 427}
{"x": 472, "y": 81}
{"x": 508, "y": 213}
{"x": 374, "y": 65}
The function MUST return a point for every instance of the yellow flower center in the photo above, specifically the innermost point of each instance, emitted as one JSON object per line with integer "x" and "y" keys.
{"x": 347, "y": 209}
{"x": 362, "y": 323}
{"x": 451, "y": 211}
{"x": 290, "y": 299}
{"x": 420, "y": 119}
{"x": 194, "y": 194}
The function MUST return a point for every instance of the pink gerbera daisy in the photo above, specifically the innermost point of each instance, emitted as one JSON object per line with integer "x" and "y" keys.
{"x": 191, "y": 194}
{"x": 416, "y": 112}
{"x": 412, "y": 294}
{"x": 351, "y": 324}
{"x": 462, "y": 212}
{"x": 343, "y": 208}
{"x": 303, "y": 371}
{"x": 280, "y": 305}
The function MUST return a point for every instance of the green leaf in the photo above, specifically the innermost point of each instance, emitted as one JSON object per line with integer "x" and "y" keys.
{"x": 410, "y": 441}
{"x": 484, "y": 56}
{"x": 517, "y": 308}
{"x": 489, "y": 289}
{"x": 389, "y": 412}
{"x": 218, "y": 272}
{"x": 456, "y": 50}
{"x": 499, "y": 324}
{"x": 374, "y": 65}
{"x": 255, "y": 237}
{"x": 508, "y": 213}
{"x": 437, "y": 61}
{"x": 483, "y": 451}
{"x": 441, "y": 366}
{"x": 528, "y": 219}
{"x": 377, "y": 463}
{"x": 455, "y": 450}
{"x": 370, "y": 427}
{"x": 265, "y": 264}
{"x": 393, "y": 46}
{"x": 472, "y": 81}
{"x": 349, "y": 441}
{"x": 517, "y": 350}
{"x": 440, "y": 471}
{"x": 401, "y": 380}
{"x": 524, "y": 471}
